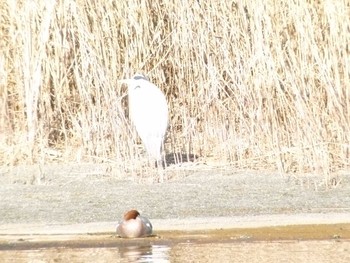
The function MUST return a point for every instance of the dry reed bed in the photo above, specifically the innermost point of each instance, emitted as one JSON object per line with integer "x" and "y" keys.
{"x": 249, "y": 84}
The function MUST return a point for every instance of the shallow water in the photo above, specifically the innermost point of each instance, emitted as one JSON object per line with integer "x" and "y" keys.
{"x": 261, "y": 251}
{"x": 313, "y": 243}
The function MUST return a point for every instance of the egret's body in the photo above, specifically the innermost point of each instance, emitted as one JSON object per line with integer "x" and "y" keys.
{"x": 148, "y": 110}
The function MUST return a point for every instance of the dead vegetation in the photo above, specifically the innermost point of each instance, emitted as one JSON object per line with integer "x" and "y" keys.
{"x": 250, "y": 85}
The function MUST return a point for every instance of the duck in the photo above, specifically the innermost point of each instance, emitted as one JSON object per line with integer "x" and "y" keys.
{"x": 133, "y": 225}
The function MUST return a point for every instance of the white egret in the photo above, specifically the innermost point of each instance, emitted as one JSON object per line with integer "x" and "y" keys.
{"x": 148, "y": 110}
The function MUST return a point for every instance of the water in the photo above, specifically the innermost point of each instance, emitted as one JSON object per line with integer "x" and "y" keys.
{"x": 313, "y": 243}
{"x": 151, "y": 253}
{"x": 262, "y": 251}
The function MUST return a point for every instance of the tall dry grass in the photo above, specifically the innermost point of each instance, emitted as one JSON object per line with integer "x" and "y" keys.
{"x": 258, "y": 85}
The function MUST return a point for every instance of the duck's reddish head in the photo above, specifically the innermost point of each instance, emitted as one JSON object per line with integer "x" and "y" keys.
{"x": 131, "y": 214}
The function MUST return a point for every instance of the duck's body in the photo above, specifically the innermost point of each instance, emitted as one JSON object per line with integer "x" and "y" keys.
{"x": 134, "y": 225}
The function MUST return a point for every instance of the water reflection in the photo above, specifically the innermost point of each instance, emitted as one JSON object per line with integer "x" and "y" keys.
{"x": 256, "y": 251}
{"x": 124, "y": 253}
{"x": 145, "y": 253}
{"x": 309, "y": 243}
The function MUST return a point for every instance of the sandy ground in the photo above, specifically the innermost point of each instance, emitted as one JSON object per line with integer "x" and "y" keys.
{"x": 87, "y": 198}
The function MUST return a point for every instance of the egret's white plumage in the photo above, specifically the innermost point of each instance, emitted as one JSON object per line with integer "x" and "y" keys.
{"x": 148, "y": 110}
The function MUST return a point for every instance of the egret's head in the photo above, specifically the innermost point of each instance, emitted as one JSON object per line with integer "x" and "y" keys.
{"x": 138, "y": 76}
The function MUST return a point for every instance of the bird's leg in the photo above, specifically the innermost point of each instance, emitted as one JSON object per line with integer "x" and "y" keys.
{"x": 160, "y": 166}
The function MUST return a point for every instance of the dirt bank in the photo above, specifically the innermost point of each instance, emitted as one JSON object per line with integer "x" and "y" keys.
{"x": 87, "y": 198}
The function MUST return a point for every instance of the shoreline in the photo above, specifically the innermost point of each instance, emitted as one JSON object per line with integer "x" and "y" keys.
{"x": 185, "y": 224}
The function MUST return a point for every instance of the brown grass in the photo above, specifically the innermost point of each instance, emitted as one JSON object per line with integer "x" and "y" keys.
{"x": 252, "y": 85}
